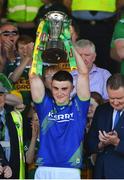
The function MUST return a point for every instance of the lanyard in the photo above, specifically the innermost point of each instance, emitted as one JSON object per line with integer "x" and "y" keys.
{"x": 17, "y": 118}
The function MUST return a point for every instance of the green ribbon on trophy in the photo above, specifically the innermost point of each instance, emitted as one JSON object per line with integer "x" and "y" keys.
{"x": 53, "y": 43}
{"x": 66, "y": 37}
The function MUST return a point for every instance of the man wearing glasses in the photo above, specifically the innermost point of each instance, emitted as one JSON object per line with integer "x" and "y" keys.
{"x": 8, "y": 38}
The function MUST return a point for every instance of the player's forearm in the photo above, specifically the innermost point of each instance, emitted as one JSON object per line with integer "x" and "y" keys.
{"x": 81, "y": 67}
{"x": 37, "y": 88}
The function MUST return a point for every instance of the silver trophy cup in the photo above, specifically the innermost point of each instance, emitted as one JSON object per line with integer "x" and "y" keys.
{"x": 55, "y": 50}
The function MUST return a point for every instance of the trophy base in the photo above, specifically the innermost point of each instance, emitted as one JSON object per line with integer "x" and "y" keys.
{"x": 54, "y": 52}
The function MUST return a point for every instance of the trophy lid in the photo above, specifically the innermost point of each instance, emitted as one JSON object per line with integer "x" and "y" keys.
{"x": 56, "y": 15}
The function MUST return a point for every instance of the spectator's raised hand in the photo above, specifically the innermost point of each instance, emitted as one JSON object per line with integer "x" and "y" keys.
{"x": 10, "y": 48}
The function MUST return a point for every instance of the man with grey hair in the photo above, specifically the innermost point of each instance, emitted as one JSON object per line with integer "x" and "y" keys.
{"x": 98, "y": 76}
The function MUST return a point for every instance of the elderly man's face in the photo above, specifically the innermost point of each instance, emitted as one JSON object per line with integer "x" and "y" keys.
{"x": 87, "y": 55}
{"x": 116, "y": 98}
{"x": 9, "y": 33}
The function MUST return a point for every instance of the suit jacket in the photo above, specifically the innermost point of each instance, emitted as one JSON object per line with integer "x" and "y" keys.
{"x": 3, "y": 160}
{"x": 14, "y": 161}
{"x": 110, "y": 160}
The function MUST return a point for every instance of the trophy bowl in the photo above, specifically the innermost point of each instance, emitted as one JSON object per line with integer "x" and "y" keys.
{"x": 54, "y": 52}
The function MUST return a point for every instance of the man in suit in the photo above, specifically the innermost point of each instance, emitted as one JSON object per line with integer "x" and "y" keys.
{"x": 106, "y": 136}
{"x": 11, "y": 135}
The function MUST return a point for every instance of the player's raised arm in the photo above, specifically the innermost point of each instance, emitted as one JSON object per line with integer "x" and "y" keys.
{"x": 37, "y": 88}
{"x": 82, "y": 85}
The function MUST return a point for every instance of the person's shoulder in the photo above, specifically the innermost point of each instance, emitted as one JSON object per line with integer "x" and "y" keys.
{"x": 104, "y": 107}
{"x": 82, "y": 100}
{"x": 103, "y": 71}
{"x": 46, "y": 100}
{"x": 74, "y": 73}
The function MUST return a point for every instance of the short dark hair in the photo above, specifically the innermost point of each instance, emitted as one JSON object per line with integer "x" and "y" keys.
{"x": 63, "y": 76}
{"x": 24, "y": 39}
{"x": 115, "y": 81}
{"x": 97, "y": 97}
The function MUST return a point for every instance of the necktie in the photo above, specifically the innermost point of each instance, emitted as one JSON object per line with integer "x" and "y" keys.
{"x": 117, "y": 118}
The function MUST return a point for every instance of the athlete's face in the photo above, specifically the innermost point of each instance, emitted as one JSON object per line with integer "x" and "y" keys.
{"x": 61, "y": 91}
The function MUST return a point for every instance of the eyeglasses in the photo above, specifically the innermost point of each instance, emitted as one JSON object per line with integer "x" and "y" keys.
{"x": 9, "y": 33}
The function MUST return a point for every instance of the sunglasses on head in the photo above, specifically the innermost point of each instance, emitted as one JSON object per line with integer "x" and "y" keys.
{"x": 9, "y": 33}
